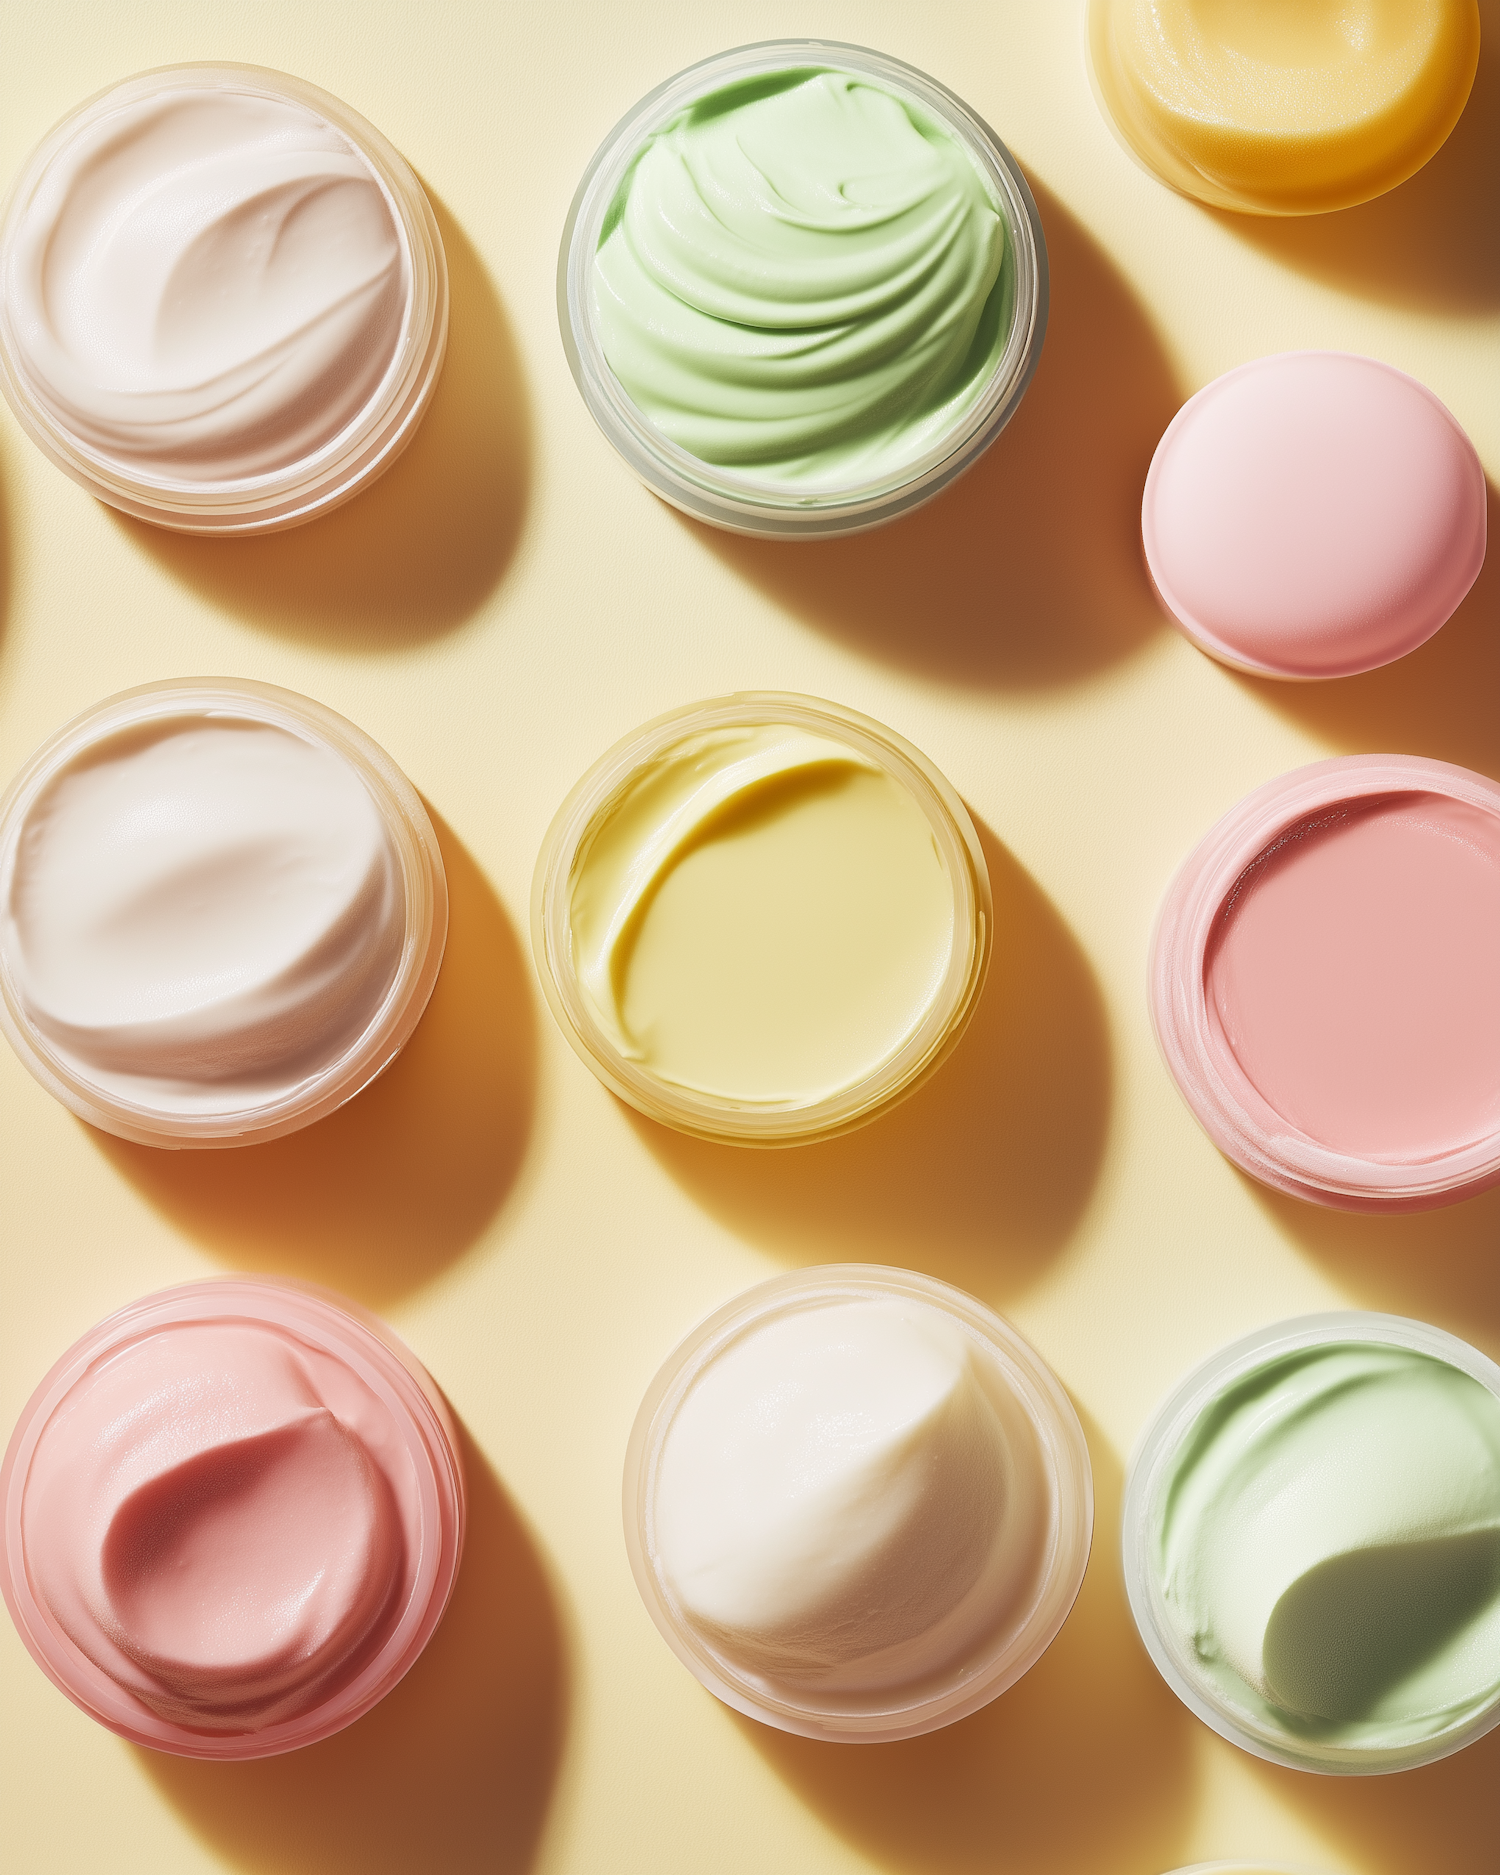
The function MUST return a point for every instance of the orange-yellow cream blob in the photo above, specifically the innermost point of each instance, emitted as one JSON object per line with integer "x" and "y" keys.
{"x": 1284, "y": 107}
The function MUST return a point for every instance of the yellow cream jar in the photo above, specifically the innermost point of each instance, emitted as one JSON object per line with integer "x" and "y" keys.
{"x": 1283, "y": 107}
{"x": 762, "y": 919}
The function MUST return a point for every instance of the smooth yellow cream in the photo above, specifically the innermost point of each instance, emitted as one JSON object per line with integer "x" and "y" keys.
{"x": 1284, "y": 107}
{"x": 761, "y": 915}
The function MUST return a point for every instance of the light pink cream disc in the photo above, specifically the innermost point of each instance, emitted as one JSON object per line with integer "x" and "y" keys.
{"x": 1313, "y": 514}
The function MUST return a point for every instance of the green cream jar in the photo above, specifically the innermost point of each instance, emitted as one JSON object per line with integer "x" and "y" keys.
{"x": 1312, "y": 1543}
{"x": 801, "y": 288}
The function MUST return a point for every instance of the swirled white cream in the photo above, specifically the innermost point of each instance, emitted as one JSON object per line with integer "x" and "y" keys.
{"x": 846, "y": 1500}
{"x": 202, "y": 912}
{"x": 207, "y": 285}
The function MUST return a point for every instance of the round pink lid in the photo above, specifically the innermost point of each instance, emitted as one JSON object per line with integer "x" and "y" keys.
{"x": 1313, "y": 514}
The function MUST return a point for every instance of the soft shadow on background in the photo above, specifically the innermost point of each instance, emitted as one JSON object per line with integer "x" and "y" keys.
{"x": 980, "y": 1177}
{"x": 392, "y": 1188}
{"x": 451, "y": 1773}
{"x": 1442, "y": 700}
{"x": 1430, "y": 244}
{"x": 1084, "y": 1764}
{"x": 1437, "y": 1821}
{"x": 421, "y": 550}
{"x": 1027, "y": 571}
{"x": 1439, "y": 1266}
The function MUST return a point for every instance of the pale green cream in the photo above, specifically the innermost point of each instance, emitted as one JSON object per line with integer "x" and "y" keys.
{"x": 805, "y": 277}
{"x": 1328, "y": 1541}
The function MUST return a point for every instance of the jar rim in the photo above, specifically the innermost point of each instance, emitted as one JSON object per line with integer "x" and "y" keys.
{"x": 900, "y": 1073}
{"x": 1065, "y": 1464}
{"x": 740, "y": 503}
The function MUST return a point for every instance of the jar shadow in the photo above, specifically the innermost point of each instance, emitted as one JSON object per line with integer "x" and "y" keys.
{"x": 1427, "y": 245}
{"x": 419, "y": 551}
{"x": 980, "y": 1177}
{"x": 397, "y": 1184}
{"x": 454, "y": 1770}
{"x": 1438, "y": 1266}
{"x": 1440, "y": 1817}
{"x": 1083, "y": 1765}
{"x": 1438, "y": 701}
{"x": 1026, "y": 573}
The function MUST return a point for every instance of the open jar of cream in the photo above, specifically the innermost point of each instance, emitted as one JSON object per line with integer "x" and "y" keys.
{"x": 1323, "y": 983}
{"x": 223, "y": 299}
{"x": 222, "y": 912}
{"x": 1312, "y": 1543}
{"x": 858, "y": 1505}
{"x": 234, "y": 1514}
{"x": 1282, "y": 107}
{"x": 762, "y": 919}
{"x": 801, "y": 288}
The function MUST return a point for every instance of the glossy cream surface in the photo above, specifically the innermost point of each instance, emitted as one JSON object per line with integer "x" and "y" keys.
{"x": 201, "y": 913}
{"x": 220, "y": 1518}
{"x": 804, "y": 278}
{"x": 1285, "y": 106}
{"x": 1328, "y": 1540}
{"x": 847, "y": 1500}
{"x": 206, "y": 285}
{"x": 761, "y": 915}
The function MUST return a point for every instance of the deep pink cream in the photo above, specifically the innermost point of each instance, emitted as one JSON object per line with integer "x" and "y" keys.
{"x": 233, "y": 1516}
{"x": 1354, "y": 973}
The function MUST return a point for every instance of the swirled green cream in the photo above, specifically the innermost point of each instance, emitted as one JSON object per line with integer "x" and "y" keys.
{"x": 1328, "y": 1541}
{"x": 804, "y": 277}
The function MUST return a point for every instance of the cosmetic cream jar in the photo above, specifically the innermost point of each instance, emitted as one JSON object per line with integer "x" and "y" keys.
{"x": 741, "y": 501}
{"x": 223, "y": 299}
{"x": 222, "y": 912}
{"x": 667, "y": 790}
{"x": 261, "y": 1450}
{"x": 1049, "y": 1489}
{"x": 1359, "y": 1480}
{"x": 1322, "y": 983}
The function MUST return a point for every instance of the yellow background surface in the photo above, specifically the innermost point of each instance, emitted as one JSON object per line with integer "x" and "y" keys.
{"x": 505, "y": 604}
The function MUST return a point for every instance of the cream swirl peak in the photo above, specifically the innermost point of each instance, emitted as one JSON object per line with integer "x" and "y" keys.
{"x": 202, "y": 911}
{"x": 205, "y": 285}
{"x": 804, "y": 276}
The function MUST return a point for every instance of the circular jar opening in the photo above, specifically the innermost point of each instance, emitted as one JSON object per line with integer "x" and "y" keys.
{"x": 234, "y": 1514}
{"x": 223, "y": 299}
{"x": 1282, "y": 107}
{"x": 763, "y": 919}
{"x": 858, "y": 1505}
{"x": 1312, "y": 1543}
{"x": 1313, "y": 514}
{"x": 222, "y": 912}
{"x": 819, "y": 369}
{"x": 1322, "y": 983}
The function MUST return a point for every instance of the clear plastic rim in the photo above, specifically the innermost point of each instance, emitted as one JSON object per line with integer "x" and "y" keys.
{"x": 337, "y": 1327}
{"x": 900, "y": 1074}
{"x": 1060, "y": 1442}
{"x": 1159, "y": 1442}
{"x": 1216, "y": 1089}
{"x": 424, "y": 885}
{"x": 366, "y": 447}
{"x": 740, "y": 503}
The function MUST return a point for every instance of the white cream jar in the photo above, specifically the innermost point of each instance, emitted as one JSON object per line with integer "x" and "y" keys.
{"x": 223, "y": 299}
{"x": 222, "y": 912}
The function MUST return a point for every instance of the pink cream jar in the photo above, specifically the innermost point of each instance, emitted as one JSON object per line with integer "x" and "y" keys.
{"x": 234, "y": 1513}
{"x": 1323, "y": 983}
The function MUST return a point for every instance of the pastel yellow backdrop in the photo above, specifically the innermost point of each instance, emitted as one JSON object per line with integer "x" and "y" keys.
{"x": 503, "y": 606}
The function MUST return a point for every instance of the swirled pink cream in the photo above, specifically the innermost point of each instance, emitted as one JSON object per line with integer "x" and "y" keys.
{"x": 208, "y": 284}
{"x": 222, "y": 1518}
